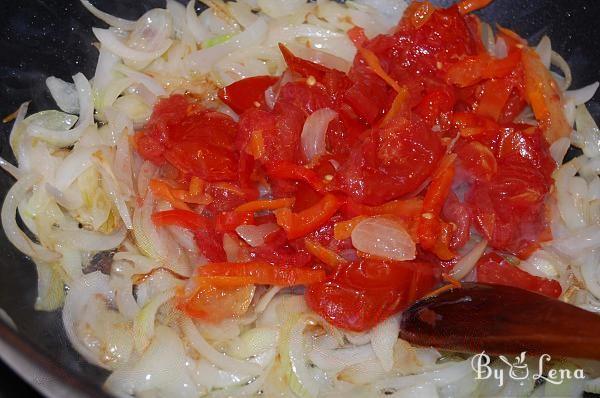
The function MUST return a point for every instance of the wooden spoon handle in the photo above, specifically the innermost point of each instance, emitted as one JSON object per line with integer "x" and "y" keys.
{"x": 502, "y": 320}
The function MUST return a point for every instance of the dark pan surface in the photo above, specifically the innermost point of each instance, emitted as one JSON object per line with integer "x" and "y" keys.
{"x": 39, "y": 38}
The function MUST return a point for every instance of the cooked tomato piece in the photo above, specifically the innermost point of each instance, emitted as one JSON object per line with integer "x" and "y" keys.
{"x": 363, "y": 293}
{"x": 493, "y": 268}
{"x": 247, "y": 93}
{"x": 477, "y": 160}
{"x": 509, "y": 209}
{"x": 392, "y": 162}
{"x": 196, "y": 141}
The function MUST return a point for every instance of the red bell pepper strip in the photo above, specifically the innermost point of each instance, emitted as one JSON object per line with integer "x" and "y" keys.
{"x": 308, "y": 220}
{"x": 430, "y": 224}
{"x": 291, "y": 171}
{"x": 246, "y": 93}
{"x": 473, "y": 69}
{"x": 301, "y": 66}
{"x": 258, "y": 273}
{"x": 182, "y": 218}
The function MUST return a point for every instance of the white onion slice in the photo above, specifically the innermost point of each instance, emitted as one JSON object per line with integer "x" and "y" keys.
{"x": 314, "y": 133}
{"x": 255, "y": 235}
{"x": 76, "y": 162}
{"x": 559, "y": 149}
{"x": 15, "y": 235}
{"x": 79, "y": 295}
{"x": 177, "y": 11}
{"x": 588, "y": 131}
{"x": 203, "y": 60}
{"x": 91, "y": 240}
{"x": 151, "y": 84}
{"x": 584, "y": 94}
{"x": 468, "y": 261}
{"x": 223, "y": 361}
{"x": 544, "y": 50}
{"x": 143, "y": 324}
{"x": 109, "y": 19}
{"x": 64, "y": 94}
{"x": 109, "y": 40}
{"x": 560, "y": 62}
{"x": 383, "y": 338}
{"x": 86, "y": 117}
{"x": 199, "y": 32}
{"x": 383, "y": 238}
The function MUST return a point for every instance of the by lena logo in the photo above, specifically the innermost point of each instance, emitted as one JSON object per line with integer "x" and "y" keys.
{"x": 519, "y": 369}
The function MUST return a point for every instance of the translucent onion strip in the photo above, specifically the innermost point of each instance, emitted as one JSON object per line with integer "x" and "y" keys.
{"x": 468, "y": 261}
{"x": 314, "y": 133}
{"x": 109, "y": 40}
{"x": 86, "y": 117}
{"x": 109, "y": 19}
{"x": 223, "y": 361}
{"x": 9, "y": 222}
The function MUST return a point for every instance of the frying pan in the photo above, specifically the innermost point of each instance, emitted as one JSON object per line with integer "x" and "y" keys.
{"x": 39, "y": 38}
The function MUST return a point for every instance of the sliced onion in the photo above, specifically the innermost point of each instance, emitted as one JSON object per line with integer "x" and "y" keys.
{"x": 328, "y": 359}
{"x": 151, "y": 84}
{"x": 78, "y": 161}
{"x": 321, "y": 57}
{"x": 314, "y": 132}
{"x": 500, "y": 49}
{"x": 177, "y": 11}
{"x": 223, "y": 361}
{"x": 117, "y": 47}
{"x": 302, "y": 383}
{"x": 104, "y": 73}
{"x": 383, "y": 238}
{"x": 111, "y": 187}
{"x": 109, "y": 19}
{"x": 242, "y": 13}
{"x": 588, "y": 131}
{"x": 383, "y": 339}
{"x": 544, "y": 50}
{"x": 255, "y": 235}
{"x": 468, "y": 261}
{"x": 80, "y": 293}
{"x": 86, "y": 117}
{"x": 64, "y": 94}
{"x": 560, "y": 62}
{"x": 199, "y": 32}
{"x": 10, "y": 168}
{"x": 15, "y": 235}
{"x": 559, "y": 149}
{"x": 580, "y": 241}
{"x": 584, "y": 94}
{"x": 202, "y": 61}
{"x": 91, "y": 240}
{"x": 162, "y": 368}
{"x": 143, "y": 324}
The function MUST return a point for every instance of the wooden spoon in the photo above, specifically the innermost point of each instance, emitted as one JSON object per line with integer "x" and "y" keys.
{"x": 502, "y": 320}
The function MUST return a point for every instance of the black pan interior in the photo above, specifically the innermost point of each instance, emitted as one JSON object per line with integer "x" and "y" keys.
{"x": 39, "y": 38}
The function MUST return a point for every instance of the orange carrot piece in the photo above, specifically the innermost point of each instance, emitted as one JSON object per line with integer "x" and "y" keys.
{"x": 163, "y": 191}
{"x": 343, "y": 229}
{"x": 326, "y": 256}
{"x": 258, "y": 205}
{"x": 467, "y": 6}
{"x": 373, "y": 62}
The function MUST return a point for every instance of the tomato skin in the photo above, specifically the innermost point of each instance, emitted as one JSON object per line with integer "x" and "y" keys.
{"x": 246, "y": 93}
{"x": 365, "y": 292}
{"x": 215, "y": 304}
{"x": 477, "y": 160}
{"x": 392, "y": 162}
{"x": 494, "y": 269}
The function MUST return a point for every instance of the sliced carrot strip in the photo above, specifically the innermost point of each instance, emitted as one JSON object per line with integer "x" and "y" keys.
{"x": 258, "y": 205}
{"x": 373, "y": 62}
{"x": 343, "y": 229}
{"x": 326, "y": 256}
{"x": 163, "y": 191}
